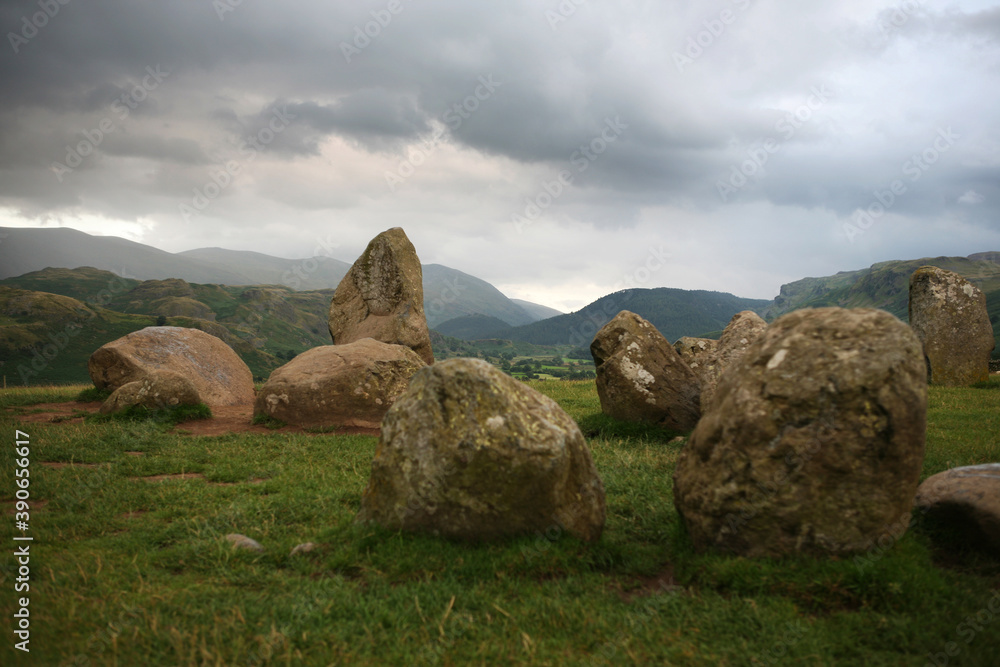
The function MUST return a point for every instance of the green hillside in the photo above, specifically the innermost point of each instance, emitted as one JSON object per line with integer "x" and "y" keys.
{"x": 675, "y": 312}
{"x": 474, "y": 327}
{"x": 886, "y": 285}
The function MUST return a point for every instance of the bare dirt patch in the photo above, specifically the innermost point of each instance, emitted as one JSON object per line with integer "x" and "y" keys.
{"x": 10, "y": 506}
{"x": 55, "y": 413}
{"x": 176, "y": 475}
{"x": 661, "y": 582}
{"x": 225, "y": 420}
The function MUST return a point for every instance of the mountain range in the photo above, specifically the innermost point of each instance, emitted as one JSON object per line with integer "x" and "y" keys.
{"x": 448, "y": 293}
{"x": 53, "y": 318}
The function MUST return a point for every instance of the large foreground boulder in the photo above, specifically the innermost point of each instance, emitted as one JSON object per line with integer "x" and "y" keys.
{"x": 967, "y": 500}
{"x": 950, "y": 317}
{"x": 471, "y": 453}
{"x": 814, "y": 441}
{"x": 640, "y": 376}
{"x": 157, "y": 390}
{"x": 339, "y": 385}
{"x": 382, "y": 297}
{"x": 743, "y": 329}
{"x": 214, "y": 370}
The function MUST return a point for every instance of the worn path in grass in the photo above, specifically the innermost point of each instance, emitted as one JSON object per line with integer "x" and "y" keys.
{"x": 225, "y": 420}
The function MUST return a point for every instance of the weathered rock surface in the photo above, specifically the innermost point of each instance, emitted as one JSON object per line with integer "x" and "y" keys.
{"x": 339, "y": 385}
{"x": 212, "y": 367}
{"x": 695, "y": 351}
{"x": 157, "y": 390}
{"x": 382, "y": 297}
{"x": 968, "y": 499}
{"x": 640, "y": 376}
{"x": 814, "y": 441}
{"x": 471, "y": 453}
{"x": 743, "y": 329}
{"x": 950, "y": 317}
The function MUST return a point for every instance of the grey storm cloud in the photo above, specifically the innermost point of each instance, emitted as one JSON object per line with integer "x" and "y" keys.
{"x": 717, "y": 103}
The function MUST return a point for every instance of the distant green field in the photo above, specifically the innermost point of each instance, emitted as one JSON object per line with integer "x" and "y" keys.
{"x": 129, "y": 565}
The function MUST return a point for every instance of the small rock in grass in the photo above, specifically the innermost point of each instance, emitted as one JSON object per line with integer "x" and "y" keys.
{"x": 244, "y": 542}
{"x": 303, "y": 548}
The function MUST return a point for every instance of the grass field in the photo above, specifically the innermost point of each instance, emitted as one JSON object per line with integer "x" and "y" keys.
{"x": 129, "y": 565}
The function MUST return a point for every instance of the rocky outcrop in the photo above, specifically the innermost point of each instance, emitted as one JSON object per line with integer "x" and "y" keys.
{"x": 640, "y": 377}
{"x": 967, "y": 501}
{"x": 471, "y": 453}
{"x": 215, "y": 371}
{"x": 814, "y": 441}
{"x": 382, "y": 297}
{"x": 950, "y": 317}
{"x": 743, "y": 329}
{"x": 339, "y": 385}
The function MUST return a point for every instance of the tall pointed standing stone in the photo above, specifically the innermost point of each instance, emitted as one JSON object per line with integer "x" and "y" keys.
{"x": 382, "y": 297}
{"x": 950, "y": 317}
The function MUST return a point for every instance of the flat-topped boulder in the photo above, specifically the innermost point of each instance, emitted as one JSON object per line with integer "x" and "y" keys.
{"x": 640, "y": 376}
{"x": 471, "y": 453}
{"x": 950, "y": 317}
{"x": 351, "y": 385}
{"x": 214, "y": 370}
{"x": 382, "y": 297}
{"x": 814, "y": 441}
{"x": 967, "y": 500}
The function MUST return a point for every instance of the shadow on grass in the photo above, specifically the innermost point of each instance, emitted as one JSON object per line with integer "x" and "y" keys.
{"x": 600, "y": 425}
{"x": 167, "y": 416}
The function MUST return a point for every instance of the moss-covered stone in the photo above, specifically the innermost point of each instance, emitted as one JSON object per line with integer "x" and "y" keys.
{"x": 950, "y": 317}
{"x": 641, "y": 377}
{"x": 814, "y": 441}
{"x": 471, "y": 453}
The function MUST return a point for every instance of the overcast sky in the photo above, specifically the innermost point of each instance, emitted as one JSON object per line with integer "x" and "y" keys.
{"x": 559, "y": 150}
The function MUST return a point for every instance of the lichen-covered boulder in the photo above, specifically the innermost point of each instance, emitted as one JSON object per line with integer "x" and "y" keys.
{"x": 640, "y": 376}
{"x": 212, "y": 367}
{"x": 382, "y": 297}
{"x": 950, "y": 317}
{"x": 339, "y": 385}
{"x": 967, "y": 499}
{"x": 471, "y": 453}
{"x": 695, "y": 351}
{"x": 814, "y": 441}
{"x": 743, "y": 329}
{"x": 157, "y": 390}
